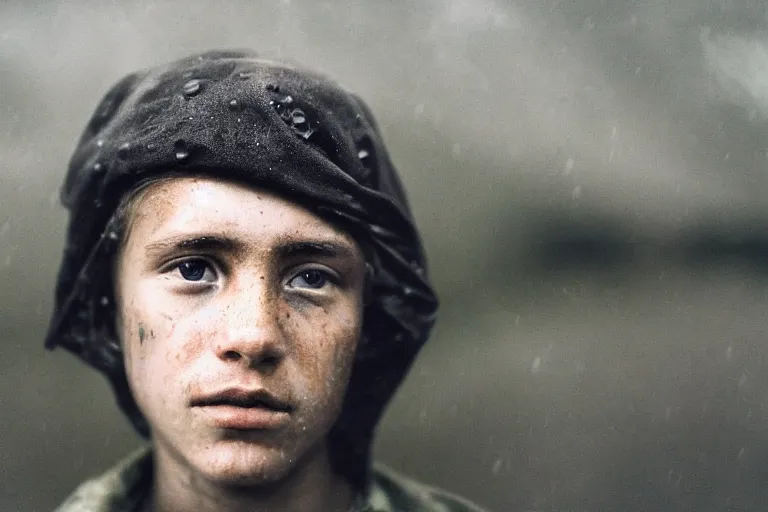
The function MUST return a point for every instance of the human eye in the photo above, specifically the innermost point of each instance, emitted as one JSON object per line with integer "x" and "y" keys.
{"x": 196, "y": 270}
{"x": 311, "y": 278}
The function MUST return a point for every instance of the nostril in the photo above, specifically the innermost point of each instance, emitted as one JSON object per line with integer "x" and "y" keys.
{"x": 232, "y": 355}
{"x": 269, "y": 361}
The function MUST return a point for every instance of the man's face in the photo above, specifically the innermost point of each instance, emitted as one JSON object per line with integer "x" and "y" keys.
{"x": 239, "y": 315}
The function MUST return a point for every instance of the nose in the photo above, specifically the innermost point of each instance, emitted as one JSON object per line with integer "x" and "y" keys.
{"x": 253, "y": 332}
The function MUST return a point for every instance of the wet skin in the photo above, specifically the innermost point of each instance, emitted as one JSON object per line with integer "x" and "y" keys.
{"x": 239, "y": 315}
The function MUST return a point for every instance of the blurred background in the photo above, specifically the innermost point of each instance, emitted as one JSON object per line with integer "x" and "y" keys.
{"x": 590, "y": 178}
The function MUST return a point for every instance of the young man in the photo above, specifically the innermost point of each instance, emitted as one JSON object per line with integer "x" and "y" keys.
{"x": 241, "y": 263}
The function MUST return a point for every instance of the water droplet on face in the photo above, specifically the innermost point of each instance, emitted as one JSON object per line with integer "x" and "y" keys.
{"x": 122, "y": 151}
{"x": 180, "y": 149}
{"x": 191, "y": 88}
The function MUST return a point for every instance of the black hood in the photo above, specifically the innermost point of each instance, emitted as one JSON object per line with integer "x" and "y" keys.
{"x": 273, "y": 125}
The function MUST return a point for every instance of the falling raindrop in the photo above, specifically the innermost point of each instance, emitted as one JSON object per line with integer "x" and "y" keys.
{"x": 97, "y": 167}
{"x": 536, "y": 366}
{"x": 576, "y": 193}
{"x": 569, "y": 166}
{"x": 99, "y": 143}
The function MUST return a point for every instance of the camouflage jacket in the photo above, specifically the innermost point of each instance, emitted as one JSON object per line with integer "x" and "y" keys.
{"x": 122, "y": 488}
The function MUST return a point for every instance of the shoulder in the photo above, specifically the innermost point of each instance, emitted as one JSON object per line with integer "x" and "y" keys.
{"x": 393, "y": 492}
{"x": 117, "y": 490}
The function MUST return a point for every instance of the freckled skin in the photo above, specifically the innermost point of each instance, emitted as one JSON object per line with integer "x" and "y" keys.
{"x": 296, "y": 342}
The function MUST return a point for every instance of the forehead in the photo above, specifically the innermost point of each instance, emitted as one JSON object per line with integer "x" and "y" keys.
{"x": 198, "y": 205}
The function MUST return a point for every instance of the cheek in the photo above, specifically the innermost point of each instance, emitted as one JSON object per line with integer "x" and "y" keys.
{"x": 330, "y": 352}
{"x": 159, "y": 350}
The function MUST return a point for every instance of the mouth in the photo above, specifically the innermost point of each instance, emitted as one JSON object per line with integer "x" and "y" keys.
{"x": 241, "y": 409}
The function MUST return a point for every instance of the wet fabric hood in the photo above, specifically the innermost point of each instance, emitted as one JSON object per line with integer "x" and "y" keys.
{"x": 273, "y": 125}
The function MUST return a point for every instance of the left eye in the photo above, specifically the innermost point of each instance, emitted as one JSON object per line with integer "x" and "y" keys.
{"x": 311, "y": 278}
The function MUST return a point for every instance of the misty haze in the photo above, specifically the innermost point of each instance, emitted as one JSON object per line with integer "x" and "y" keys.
{"x": 591, "y": 181}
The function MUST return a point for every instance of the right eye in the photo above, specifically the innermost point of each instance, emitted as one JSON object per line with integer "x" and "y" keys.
{"x": 196, "y": 270}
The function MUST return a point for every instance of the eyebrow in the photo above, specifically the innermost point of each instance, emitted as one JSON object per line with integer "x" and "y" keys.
{"x": 197, "y": 243}
{"x": 314, "y": 248}
{"x": 287, "y": 249}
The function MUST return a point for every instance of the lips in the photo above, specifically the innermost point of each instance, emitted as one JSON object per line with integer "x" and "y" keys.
{"x": 243, "y": 409}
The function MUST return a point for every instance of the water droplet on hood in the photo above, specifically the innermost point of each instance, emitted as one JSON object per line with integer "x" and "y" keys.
{"x": 298, "y": 116}
{"x": 181, "y": 149}
{"x": 191, "y": 88}
{"x": 122, "y": 151}
{"x": 363, "y": 153}
{"x": 234, "y": 105}
{"x": 99, "y": 143}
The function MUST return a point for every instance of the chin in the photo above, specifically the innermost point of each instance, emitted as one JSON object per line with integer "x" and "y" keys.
{"x": 244, "y": 464}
